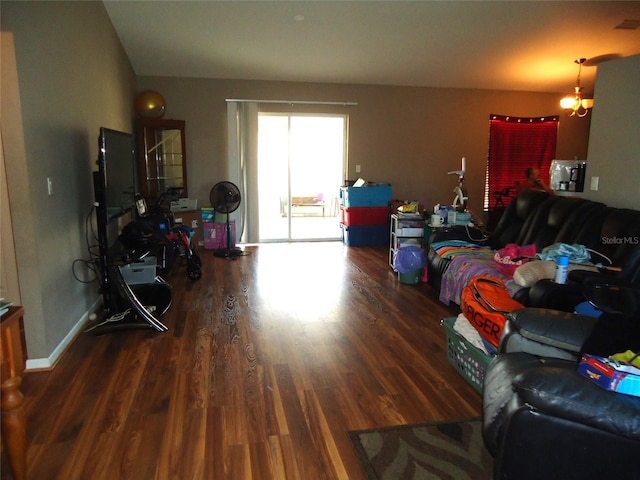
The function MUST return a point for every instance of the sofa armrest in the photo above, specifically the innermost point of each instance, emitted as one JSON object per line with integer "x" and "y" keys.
{"x": 498, "y": 391}
{"x": 548, "y": 294}
{"x": 559, "y": 390}
{"x": 546, "y": 332}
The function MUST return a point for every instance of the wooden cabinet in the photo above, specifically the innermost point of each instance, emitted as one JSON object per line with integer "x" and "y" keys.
{"x": 162, "y": 156}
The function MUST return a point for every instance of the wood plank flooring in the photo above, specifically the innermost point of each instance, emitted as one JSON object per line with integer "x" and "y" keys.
{"x": 269, "y": 360}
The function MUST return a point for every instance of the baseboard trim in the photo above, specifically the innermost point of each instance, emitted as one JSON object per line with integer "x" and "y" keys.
{"x": 48, "y": 363}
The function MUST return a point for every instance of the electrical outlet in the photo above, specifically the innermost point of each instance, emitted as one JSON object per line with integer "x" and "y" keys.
{"x": 595, "y": 181}
{"x": 357, "y": 168}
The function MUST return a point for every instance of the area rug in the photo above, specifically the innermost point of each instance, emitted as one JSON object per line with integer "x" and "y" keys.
{"x": 425, "y": 451}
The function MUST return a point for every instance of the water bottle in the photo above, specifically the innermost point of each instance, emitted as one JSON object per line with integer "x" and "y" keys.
{"x": 562, "y": 268}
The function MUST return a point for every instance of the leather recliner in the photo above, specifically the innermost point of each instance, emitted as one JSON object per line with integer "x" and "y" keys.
{"x": 542, "y": 418}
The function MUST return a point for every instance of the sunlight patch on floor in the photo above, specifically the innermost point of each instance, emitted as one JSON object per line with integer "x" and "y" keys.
{"x": 319, "y": 270}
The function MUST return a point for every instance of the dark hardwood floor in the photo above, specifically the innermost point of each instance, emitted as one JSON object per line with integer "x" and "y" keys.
{"x": 269, "y": 360}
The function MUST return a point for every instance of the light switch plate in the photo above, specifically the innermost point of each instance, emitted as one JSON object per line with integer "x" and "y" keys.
{"x": 595, "y": 181}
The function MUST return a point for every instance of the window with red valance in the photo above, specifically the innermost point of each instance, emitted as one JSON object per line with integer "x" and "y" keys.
{"x": 515, "y": 144}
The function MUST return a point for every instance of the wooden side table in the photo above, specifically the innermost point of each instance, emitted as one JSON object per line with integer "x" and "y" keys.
{"x": 12, "y": 365}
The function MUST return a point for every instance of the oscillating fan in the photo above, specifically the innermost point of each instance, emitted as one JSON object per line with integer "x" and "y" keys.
{"x": 225, "y": 198}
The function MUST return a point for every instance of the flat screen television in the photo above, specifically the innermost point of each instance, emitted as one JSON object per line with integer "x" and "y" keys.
{"x": 114, "y": 187}
{"x": 117, "y": 163}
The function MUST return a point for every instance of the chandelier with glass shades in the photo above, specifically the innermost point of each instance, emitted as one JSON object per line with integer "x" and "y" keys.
{"x": 577, "y": 105}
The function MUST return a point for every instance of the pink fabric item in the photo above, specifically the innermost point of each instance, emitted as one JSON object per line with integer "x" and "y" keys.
{"x": 512, "y": 256}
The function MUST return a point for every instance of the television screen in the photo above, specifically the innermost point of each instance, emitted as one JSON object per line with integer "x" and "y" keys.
{"x": 114, "y": 188}
{"x": 117, "y": 164}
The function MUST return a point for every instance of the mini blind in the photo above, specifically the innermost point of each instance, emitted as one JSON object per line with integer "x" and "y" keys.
{"x": 515, "y": 144}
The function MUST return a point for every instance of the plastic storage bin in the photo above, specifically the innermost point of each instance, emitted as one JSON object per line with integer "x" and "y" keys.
{"x": 141, "y": 272}
{"x": 411, "y": 278}
{"x": 364, "y": 236}
{"x": 468, "y": 361}
{"x": 364, "y": 216}
{"x": 369, "y": 196}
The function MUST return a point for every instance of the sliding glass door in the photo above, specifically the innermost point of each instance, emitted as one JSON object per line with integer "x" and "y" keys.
{"x": 301, "y": 166}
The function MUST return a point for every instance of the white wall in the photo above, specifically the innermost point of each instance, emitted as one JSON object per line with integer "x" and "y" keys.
{"x": 73, "y": 77}
{"x": 408, "y": 136}
{"x": 614, "y": 144}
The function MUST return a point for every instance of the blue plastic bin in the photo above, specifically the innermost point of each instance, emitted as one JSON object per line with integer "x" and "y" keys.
{"x": 365, "y": 235}
{"x": 367, "y": 196}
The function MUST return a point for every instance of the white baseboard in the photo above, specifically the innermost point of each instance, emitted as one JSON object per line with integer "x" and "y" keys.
{"x": 49, "y": 362}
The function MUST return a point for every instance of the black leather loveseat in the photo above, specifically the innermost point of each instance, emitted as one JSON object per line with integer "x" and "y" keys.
{"x": 536, "y": 218}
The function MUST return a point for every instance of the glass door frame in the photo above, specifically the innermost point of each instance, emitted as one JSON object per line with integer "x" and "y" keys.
{"x": 330, "y": 206}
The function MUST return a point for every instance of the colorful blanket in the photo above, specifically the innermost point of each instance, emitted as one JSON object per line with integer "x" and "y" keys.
{"x": 472, "y": 260}
{"x": 454, "y": 248}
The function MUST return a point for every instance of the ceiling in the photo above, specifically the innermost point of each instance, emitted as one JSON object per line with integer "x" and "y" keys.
{"x": 513, "y": 45}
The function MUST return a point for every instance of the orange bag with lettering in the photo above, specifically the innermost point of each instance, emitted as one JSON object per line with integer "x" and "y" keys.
{"x": 485, "y": 301}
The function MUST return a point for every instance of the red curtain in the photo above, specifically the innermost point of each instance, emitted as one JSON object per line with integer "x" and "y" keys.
{"x": 516, "y": 144}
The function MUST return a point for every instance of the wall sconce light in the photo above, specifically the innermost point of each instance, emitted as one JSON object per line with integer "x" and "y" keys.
{"x": 577, "y": 105}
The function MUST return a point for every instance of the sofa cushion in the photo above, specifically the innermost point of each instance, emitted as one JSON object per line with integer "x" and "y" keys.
{"x": 584, "y": 224}
{"x": 514, "y": 218}
{"x": 556, "y": 218}
{"x": 620, "y": 241}
{"x": 613, "y": 334}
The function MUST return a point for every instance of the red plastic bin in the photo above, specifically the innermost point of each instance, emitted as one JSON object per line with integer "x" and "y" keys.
{"x": 364, "y": 216}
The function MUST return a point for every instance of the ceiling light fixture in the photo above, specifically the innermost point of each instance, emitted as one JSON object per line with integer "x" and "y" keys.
{"x": 579, "y": 106}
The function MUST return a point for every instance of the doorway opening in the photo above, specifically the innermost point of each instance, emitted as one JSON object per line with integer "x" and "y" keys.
{"x": 301, "y": 166}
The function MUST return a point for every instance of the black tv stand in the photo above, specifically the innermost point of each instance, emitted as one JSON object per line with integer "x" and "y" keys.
{"x": 130, "y": 309}
{"x": 108, "y": 325}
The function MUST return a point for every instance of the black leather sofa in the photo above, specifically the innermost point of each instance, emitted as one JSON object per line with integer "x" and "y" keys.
{"x": 537, "y": 218}
{"x": 542, "y": 418}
